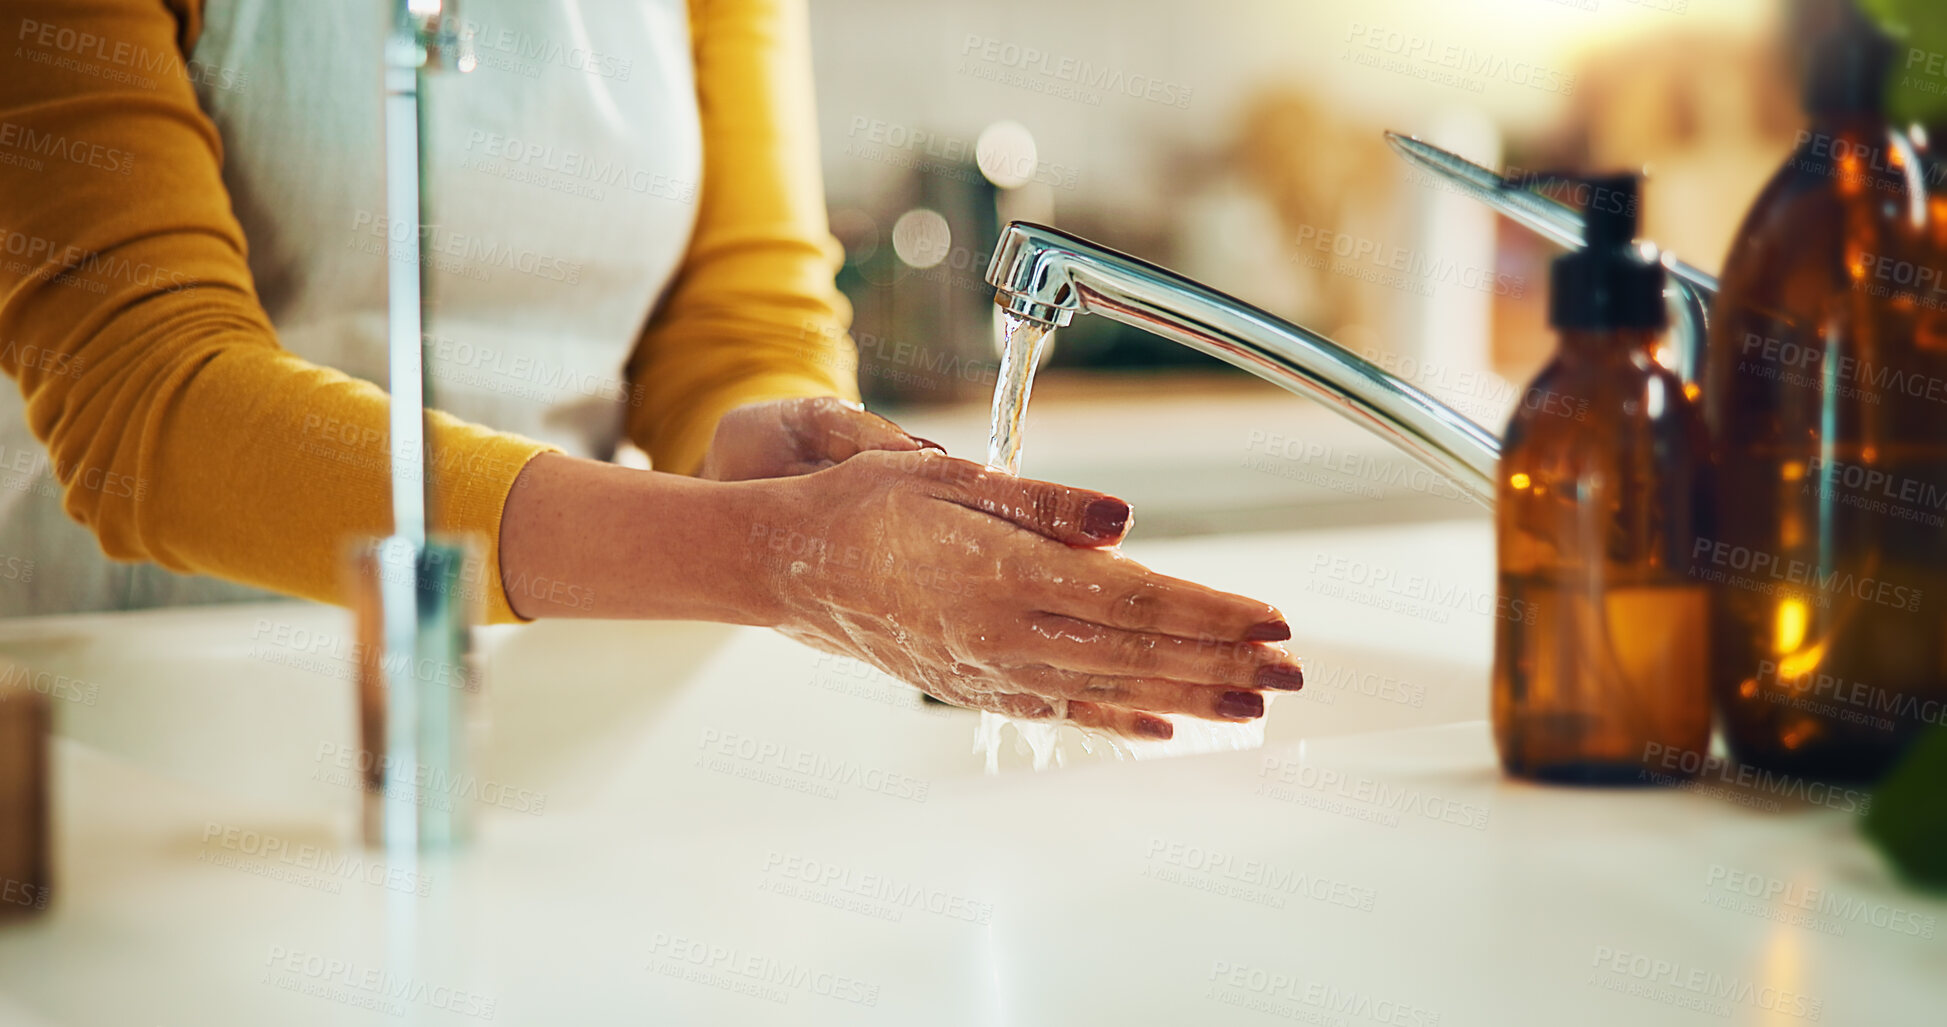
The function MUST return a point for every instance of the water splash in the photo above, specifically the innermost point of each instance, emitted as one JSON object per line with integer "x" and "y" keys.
{"x": 1021, "y": 342}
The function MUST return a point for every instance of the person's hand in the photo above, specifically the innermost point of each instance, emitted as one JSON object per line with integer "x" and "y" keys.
{"x": 787, "y": 437}
{"x": 998, "y": 593}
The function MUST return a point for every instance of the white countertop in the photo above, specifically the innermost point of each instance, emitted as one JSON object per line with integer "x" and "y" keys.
{"x": 1368, "y": 866}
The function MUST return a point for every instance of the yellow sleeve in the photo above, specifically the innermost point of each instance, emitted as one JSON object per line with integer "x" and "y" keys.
{"x": 753, "y": 314}
{"x": 180, "y": 431}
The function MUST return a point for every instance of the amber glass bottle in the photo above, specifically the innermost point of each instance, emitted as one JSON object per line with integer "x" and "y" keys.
{"x": 1826, "y": 397}
{"x": 1600, "y": 649}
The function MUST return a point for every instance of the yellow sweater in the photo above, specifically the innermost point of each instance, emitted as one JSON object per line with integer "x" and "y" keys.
{"x": 175, "y": 422}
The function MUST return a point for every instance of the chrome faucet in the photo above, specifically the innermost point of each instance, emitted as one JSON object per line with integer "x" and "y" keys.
{"x": 1049, "y": 276}
{"x": 416, "y": 677}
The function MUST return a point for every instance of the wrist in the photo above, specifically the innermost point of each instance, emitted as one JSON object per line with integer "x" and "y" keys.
{"x": 630, "y": 544}
{"x": 758, "y": 518}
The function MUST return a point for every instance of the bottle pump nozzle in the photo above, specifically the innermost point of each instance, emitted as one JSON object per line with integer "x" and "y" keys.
{"x": 1614, "y": 282}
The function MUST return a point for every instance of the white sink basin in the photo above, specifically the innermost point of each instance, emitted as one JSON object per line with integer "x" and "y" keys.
{"x": 729, "y": 829}
{"x": 258, "y": 700}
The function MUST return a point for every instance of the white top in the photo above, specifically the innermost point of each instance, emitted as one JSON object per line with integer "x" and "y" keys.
{"x": 563, "y": 170}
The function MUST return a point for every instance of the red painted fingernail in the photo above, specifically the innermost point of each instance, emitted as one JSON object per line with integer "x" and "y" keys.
{"x": 1269, "y": 631}
{"x": 1105, "y": 518}
{"x": 1244, "y": 705}
{"x": 1283, "y": 679}
{"x": 1155, "y": 727}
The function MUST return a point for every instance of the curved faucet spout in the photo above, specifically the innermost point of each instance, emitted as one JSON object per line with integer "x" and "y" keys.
{"x": 1049, "y": 276}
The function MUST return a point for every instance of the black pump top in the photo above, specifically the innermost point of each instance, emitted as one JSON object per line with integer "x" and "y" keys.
{"x": 1845, "y": 73}
{"x": 1612, "y": 282}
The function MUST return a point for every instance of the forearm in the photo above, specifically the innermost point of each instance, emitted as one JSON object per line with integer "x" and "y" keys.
{"x": 579, "y": 538}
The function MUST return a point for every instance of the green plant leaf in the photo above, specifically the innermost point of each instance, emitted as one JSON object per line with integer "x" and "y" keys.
{"x": 1916, "y": 89}
{"x": 1908, "y": 820}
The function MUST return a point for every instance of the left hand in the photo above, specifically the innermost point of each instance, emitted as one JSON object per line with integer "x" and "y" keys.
{"x": 787, "y": 437}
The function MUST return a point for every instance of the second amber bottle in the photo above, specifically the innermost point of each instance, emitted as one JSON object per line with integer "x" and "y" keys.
{"x": 1601, "y": 651}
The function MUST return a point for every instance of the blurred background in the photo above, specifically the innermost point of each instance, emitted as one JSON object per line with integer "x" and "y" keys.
{"x": 1240, "y": 142}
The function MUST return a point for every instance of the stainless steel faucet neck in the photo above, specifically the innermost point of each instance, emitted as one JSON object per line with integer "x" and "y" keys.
{"x": 1049, "y": 276}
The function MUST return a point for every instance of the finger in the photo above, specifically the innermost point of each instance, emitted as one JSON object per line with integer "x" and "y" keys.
{"x": 1076, "y": 517}
{"x": 1068, "y": 644}
{"x": 1126, "y": 722}
{"x": 1154, "y": 695}
{"x": 1122, "y": 593}
{"x": 837, "y": 431}
{"x": 1020, "y": 706}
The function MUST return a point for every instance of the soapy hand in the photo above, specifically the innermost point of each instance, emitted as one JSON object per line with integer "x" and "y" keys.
{"x": 996, "y": 592}
{"x": 785, "y": 437}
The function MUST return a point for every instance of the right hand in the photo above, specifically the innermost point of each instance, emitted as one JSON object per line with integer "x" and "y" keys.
{"x": 999, "y": 593}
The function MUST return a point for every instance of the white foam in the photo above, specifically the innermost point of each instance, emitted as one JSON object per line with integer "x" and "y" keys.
{"x": 1047, "y": 744}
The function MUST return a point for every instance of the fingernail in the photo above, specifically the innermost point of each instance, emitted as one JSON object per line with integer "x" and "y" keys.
{"x": 927, "y": 443}
{"x": 1105, "y": 518}
{"x": 1283, "y": 679}
{"x": 1155, "y": 727}
{"x": 1246, "y": 705}
{"x": 1269, "y": 631}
